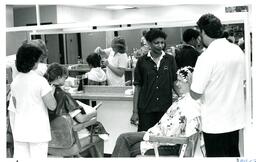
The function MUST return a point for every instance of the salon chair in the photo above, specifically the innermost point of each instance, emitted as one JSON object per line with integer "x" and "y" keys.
{"x": 65, "y": 141}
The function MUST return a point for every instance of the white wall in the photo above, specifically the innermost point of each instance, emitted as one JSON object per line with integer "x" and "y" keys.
{"x": 181, "y": 12}
{"x": 9, "y": 16}
{"x": 71, "y": 14}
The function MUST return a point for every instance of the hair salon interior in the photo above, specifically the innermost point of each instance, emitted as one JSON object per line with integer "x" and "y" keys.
{"x": 72, "y": 32}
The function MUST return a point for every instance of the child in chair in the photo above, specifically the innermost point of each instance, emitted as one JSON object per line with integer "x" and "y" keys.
{"x": 56, "y": 75}
{"x": 96, "y": 76}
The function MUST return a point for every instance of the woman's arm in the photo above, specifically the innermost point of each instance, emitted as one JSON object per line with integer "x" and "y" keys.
{"x": 116, "y": 70}
{"x": 50, "y": 101}
{"x": 103, "y": 52}
{"x": 83, "y": 117}
{"x": 135, "y": 117}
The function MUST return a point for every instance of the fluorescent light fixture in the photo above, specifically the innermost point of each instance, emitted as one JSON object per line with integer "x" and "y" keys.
{"x": 118, "y": 7}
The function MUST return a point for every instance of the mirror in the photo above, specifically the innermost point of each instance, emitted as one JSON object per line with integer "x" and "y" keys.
{"x": 73, "y": 48}
{"x": 68, "y": 48}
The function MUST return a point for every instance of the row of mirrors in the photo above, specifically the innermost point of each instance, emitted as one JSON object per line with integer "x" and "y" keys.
{"x": 67, "y": 48}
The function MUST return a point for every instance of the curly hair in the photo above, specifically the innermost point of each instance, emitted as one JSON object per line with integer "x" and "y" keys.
{"x": 155, "y": 33}
{"x": 211, "y": 25}
{"x": 55, "y": 71}
{"x": 27, "y": 56}
{"x": 94, "y": 60}
{"x": 41, "y": 44}
{"x": 189, "y": 34}
{"x": 119, "y": 44}
{"x": 186, "y": 73}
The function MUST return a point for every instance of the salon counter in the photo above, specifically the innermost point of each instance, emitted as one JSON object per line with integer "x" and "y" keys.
{"x": 108, "y": 93}
{"x": 114, "y": 113}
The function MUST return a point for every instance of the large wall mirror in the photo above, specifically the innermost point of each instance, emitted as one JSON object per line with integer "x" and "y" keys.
{"x": 67, "y": 48}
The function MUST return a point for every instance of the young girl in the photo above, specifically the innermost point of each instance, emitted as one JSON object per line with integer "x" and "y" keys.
{"x": 96, "y": 76}
{"x": 56, "y": 75}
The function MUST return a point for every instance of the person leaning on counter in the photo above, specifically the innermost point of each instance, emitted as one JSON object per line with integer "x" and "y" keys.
{"x": 116, "y": 62}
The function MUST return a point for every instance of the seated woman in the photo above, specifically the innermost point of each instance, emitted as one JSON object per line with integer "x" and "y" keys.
{"x": 96, "y": 76}
{"x": 56, "y": 75}
{"x": 181, "y": 119}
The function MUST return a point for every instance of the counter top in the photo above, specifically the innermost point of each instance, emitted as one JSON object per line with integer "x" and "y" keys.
{"x": 85, "y": 67}
{"x": 104, "y": 93}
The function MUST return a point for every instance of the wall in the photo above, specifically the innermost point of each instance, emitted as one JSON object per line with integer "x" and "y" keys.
{"x": 71, "y": 14}
{"x": 14, "y": 41}
{"x": 90, "y": 41}
{"x": 9, "y": 16}
{"x": 167, "y": 13}
{"x": 132, "y": 38}
{"x": 23, "y": 16}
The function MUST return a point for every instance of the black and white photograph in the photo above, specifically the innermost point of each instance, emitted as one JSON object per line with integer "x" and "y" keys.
{"x": 122, "y": 80}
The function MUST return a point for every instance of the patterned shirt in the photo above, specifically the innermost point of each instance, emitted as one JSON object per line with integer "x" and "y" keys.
{"x": 180, "y": 120}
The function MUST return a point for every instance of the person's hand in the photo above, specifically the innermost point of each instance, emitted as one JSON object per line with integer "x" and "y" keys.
{"x": 97, "y": 50}
{"x": 105, "y": 62}
{"x": 53, "y": 89}
{"x": 135, "y": 118}
{"x": 189, "y": 78}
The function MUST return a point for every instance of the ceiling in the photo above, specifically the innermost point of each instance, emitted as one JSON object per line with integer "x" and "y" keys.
{"x": 101, "y": 6}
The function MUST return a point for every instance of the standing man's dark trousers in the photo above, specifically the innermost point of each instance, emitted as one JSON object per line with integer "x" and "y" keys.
{"x": 148, "y": 120}
{"x": 222, "y": 145}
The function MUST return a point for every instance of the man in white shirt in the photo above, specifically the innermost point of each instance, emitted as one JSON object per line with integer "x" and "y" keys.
{"x": 217, "y": 81}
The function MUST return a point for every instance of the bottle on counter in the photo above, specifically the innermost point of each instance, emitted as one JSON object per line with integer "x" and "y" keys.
{"x": 80, "y": 86}
{"x": 129, "y": 62}
{"x": 79, "y": 60}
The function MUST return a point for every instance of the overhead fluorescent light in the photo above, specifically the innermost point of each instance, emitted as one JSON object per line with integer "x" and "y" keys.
{"x": 117, "y": 7}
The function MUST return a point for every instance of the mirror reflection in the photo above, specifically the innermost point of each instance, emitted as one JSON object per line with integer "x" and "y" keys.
{"x": 72, "y": 49}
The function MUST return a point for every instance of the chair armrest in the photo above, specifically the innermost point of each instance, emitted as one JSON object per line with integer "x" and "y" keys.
{"x": 92, "y": 119}
{"x": 173, "y": 140}
{"x": 83, "y": 125}
{"x": 98, "y": 105}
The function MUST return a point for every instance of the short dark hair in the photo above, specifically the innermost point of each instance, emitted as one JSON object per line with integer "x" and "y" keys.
{"x": 27, "y": 56}
{"x": 155, "y": 33}
{"x": 93, "y": 59}
{"x": 119, "y": 44}
{"x": 188, "y": 34}
{"x": 41, "y": 44}
{"x": 211, "y": 25}
{"x": 54, "y": 71}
